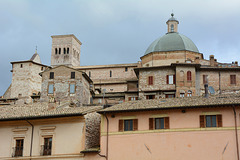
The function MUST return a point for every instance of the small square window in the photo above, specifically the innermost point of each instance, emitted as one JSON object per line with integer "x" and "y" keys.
{"x": 211, "y": 121}
{"x": 72, "y": 88}
{"x": 128, "y": 125}
{"x": 159, "y": 123}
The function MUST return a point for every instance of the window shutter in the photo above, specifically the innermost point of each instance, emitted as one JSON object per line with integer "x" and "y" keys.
{"x": 135, "y": 124}
{"x": 129, "y": 98}
{"x": 202, "y": 124}
{"x": 219, "y": 120}
{"x": 166, "y": 119}
{"x": 174, "y": 79}
{"x": 167, "y": 79}
{"x": 136, "y": 98}
{"x": 151, "y": 123}
{"x": 120, "y": 126}
{"x": 204, "y": 79}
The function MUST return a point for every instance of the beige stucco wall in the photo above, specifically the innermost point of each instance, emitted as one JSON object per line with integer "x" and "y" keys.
{"x": 184, "y": 140}
{"x": 68, "y": 135}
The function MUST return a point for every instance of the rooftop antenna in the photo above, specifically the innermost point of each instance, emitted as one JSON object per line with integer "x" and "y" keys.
{"x": 36, "y": 50}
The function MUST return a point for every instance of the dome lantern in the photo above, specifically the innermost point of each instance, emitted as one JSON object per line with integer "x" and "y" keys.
{"x": 172, "y": 24}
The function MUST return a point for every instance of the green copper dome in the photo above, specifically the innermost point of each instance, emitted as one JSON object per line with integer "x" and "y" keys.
{"x": 172, "y": 42}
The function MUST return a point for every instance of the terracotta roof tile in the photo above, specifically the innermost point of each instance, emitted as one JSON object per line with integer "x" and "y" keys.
{"x": 41, "y": 110}
{"x": 174, "y": 103}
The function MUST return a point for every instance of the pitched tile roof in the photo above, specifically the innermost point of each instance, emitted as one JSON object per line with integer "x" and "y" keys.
{"x": 41, "y": 110}
{"x": 171, "y": 103}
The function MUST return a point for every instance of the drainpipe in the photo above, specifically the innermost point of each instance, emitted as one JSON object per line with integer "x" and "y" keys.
{"x": 31, "y": 137}
{"x": 236, "y": 132}
{"x": 220, "y": 92}
{"x": 106, "y": 156}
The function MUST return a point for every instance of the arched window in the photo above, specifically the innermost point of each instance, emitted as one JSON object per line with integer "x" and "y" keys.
{"x": 189, "y": 76}
{"x": 67, "y": 50}
{"x": 56, "y": 51}
{"x": 172, "y": 28}
{"x": 189, "y": 94}
{"x": 59, "y": 51}
{"x": 64, "y": 50}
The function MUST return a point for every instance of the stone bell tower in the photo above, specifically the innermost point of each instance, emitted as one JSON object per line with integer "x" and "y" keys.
{"x": 172, "y": 24}
{"x": 65, "y": 50}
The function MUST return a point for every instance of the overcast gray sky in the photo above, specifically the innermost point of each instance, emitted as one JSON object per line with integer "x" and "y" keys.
{"x": 114, "y": 31}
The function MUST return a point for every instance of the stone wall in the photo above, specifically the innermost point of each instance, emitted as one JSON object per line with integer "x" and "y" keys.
{"x": 62, "y": 80}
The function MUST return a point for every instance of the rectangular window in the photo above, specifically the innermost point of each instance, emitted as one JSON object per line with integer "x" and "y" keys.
{"x": 72, "y": 88}
{"x": 18, "y": 150}
{"x": 126, "y": 69}
{"x": 170, "y": 95}
{"x": 182, "y": 95}
{"x": 47, "y": 147}
{"x": 205, "y": 79}
{"x": 132, "y": 98}
{"x": 51, "y": 75}
{"x": 150, "y": 80}
{"x": 110, "y": 74}
{"x": 170, "y": 79}
{"x": 89, "y": 74}
{"x": 233, "y": 79}
{"x": 72, "y": 75}
{"x": 159, "y": 123}
{"x": 50, "y": 88}
{"x": 150, "y": 97}
{"x": 128, "y": 125}
{"x": 210, "y": 121}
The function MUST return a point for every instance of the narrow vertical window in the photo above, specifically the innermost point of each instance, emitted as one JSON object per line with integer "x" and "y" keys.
{"x": 67, "y": 50}
{"x": 50, "y": 88}
{"x": 59, "y": 51}
{"x": 51, "y": 76}
{"x": 18, "y": 150}
{"x": 110, "y": 73}
{"x": 21, "y": 65}
{"x": 172, "y": 28}
{"x": 150, "y": 80}
{"x": 56, "y": 51}
{"x": 64, "y": 50}
{"x": 72, "y": 88}
{"x": 89, "y": 74}
{"x": 72, "y": 75}
{"x": 189, "y": 76}
{"x": 233, "y": 79}
{"x": 126, "y": 69}
{"x": 41, "y": 68}
{"x": 47, "y": 147}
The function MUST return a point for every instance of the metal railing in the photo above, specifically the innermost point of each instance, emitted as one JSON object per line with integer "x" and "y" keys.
{"x": 45, "y": 150}
{"x": 17, "y": 152}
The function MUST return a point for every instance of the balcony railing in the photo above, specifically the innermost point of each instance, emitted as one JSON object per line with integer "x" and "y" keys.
{"x": 17, "y": 152}
{"x": 45, "y": 150}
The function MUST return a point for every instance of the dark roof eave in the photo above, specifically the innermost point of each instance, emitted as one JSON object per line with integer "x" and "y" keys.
{"x": 167, "y": 108}
{"x": 31, "y": 62}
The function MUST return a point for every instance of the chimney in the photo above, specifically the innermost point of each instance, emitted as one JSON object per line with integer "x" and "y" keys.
{"x": 212, "y": 60}
{"x": 236, "y": 63}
